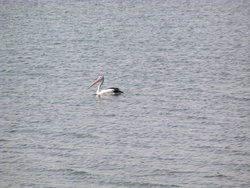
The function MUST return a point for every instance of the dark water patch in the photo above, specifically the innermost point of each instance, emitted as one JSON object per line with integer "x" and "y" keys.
{"x": 4, "y": 140}
{"x": 218, "y": 176}
{"x": 171, "y": 172}
{"x": 77, "y": 172}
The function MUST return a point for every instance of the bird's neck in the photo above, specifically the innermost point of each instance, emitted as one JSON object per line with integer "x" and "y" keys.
{"x": 99, "y": 88}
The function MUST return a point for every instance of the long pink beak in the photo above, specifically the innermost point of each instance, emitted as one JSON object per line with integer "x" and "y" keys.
{"x": 98, "y": 80}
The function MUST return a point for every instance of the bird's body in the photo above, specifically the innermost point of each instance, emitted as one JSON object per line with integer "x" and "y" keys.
{"x": 109, "y": 91}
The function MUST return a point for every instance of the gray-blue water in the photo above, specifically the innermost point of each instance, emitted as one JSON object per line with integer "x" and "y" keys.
{"x": 183, "y": 120}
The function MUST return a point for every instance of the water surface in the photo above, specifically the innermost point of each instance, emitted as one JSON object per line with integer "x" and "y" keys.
{"x": 183, "y": 120}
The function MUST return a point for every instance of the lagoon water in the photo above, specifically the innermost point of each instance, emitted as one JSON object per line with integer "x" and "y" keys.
{"x": 183, "y": 120}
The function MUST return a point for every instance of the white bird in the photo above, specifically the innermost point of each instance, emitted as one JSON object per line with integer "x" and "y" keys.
{"x": 109, "y": 91}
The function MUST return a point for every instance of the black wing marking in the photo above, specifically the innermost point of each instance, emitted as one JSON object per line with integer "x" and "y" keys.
{"x": 116, "y": 90}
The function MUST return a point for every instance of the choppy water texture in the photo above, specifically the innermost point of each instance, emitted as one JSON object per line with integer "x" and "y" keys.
{"x": 183, "y": 120}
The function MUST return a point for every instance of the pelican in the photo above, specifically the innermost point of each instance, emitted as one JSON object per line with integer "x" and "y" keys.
{"x": 109, "y": 91}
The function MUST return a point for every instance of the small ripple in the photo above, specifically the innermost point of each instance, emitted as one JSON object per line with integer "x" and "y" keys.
{"x": 216, "y": 176}
{"x": 82, "y": 135}
{"x": 3, "y": 140}
{"x": 165, "y": 171}
{"x": 144, "y": 184}
{"x": 76, "y": 171}
{"x": 238, "y": 98}
{"x": 240, "y": 153}
{"x": 105, "y": 115}
{"x": 72, "y": 171}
